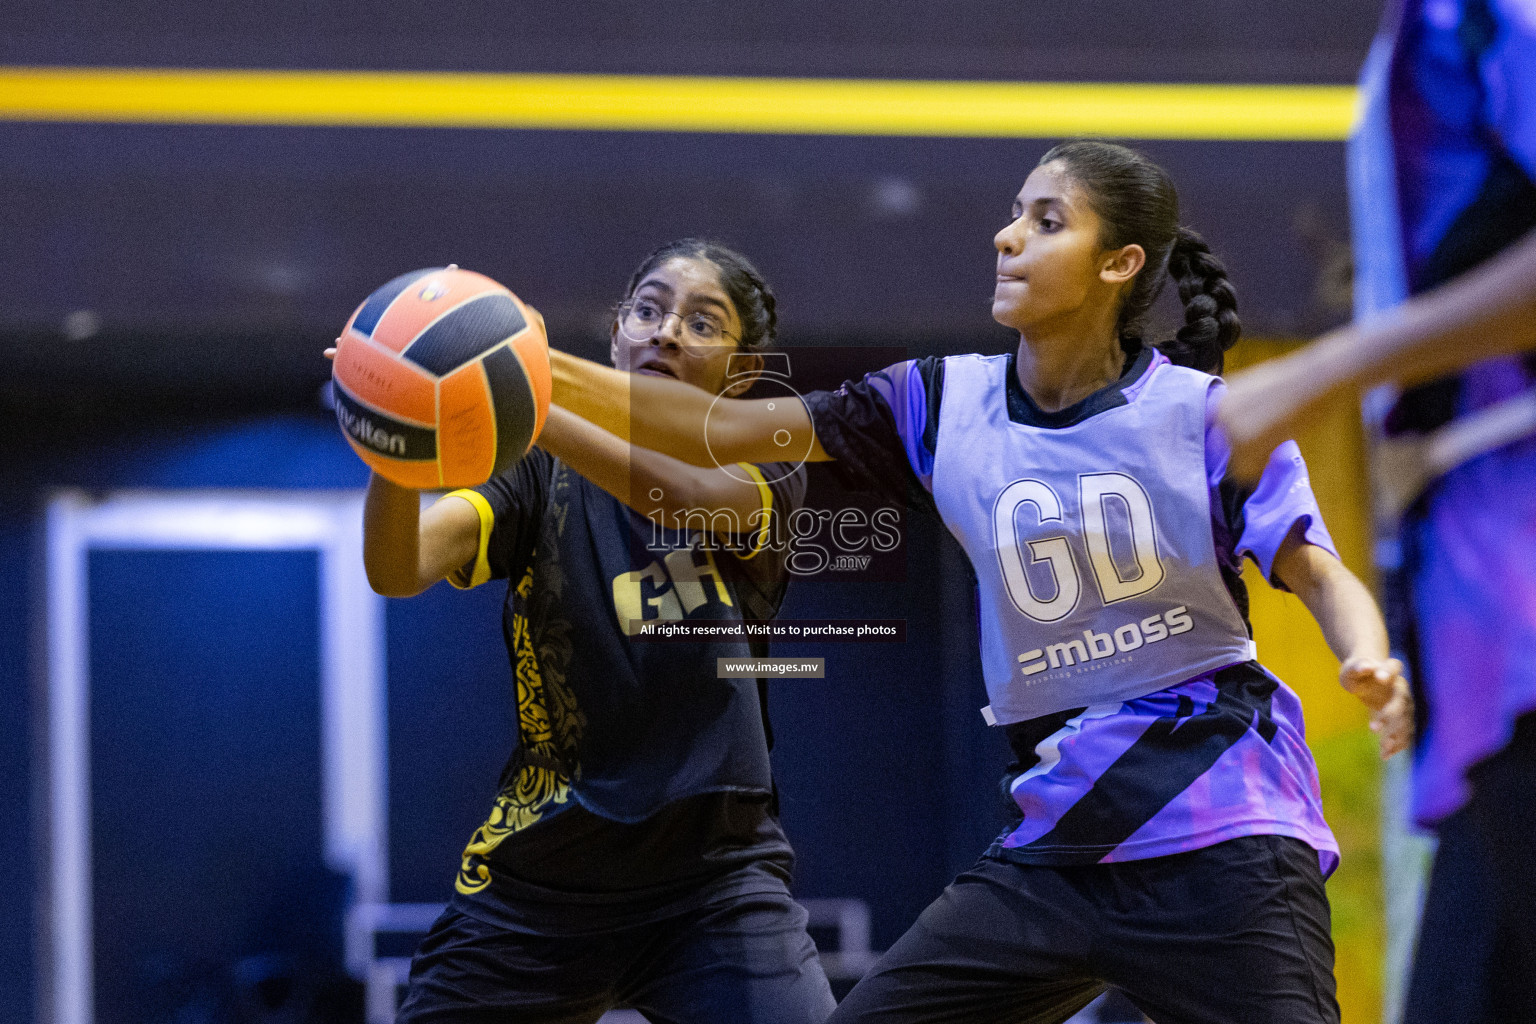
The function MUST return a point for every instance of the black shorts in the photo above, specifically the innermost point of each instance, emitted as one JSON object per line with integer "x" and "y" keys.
{"x": 743, "y": 959}
{"x": 1476, "y": 956}
{"x": 1236, "y": 933}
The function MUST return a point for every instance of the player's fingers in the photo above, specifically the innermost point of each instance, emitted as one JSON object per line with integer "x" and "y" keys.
{"x": 1358, "y": 665}
{"x": 1373, "y": 692}
{"x": 1392, "y": 745}
{"x": 1374, "y": 682}
{"x": 330, "y": 353}
{"x": 544, "y": 327}
{"x": 1358, "y": 675}
{"x": 1394, "y": 724}
{"x": 1384, "y": 736}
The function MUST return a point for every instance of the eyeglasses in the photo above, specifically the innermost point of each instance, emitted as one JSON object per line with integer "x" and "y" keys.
{"x": 640, "y": 320}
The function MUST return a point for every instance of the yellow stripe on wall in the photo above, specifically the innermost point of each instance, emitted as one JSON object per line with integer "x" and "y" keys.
{"x": 798, "y": 106}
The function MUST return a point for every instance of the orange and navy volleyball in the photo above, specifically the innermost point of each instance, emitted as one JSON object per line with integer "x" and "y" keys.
{"x": 442, "y": 379}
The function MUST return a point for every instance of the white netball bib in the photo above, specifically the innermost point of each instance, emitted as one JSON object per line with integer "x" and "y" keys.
{"x": 1092, "y": 545}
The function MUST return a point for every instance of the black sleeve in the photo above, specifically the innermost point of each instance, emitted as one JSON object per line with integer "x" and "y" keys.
{"x": 1227, "y": 521}
{"x": 511, "y": 509}
{"x": 881, "y": 431}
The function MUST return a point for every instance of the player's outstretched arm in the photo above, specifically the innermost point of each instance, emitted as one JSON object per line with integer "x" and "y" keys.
{"x": 1486, "y": 312}
{"x": 406, "y": 550}
{"x": 1353, "y": 627}
{"x": 655, "y": 485}
{"x": 669, "y": 416}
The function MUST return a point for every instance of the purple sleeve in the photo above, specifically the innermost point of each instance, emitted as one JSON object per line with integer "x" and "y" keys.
{"x": 908, "y": 399}
{"x": 875, "y": 428}
{"x": 1509, "y": 82}
{"x": 1262, "y": 518}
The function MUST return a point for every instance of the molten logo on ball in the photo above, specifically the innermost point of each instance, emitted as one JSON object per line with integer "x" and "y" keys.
{"x": 380, "y": 433}
{"x": 381, "y": 441}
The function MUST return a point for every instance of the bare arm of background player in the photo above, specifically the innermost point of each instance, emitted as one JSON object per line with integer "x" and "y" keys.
{"x": 1486, "y": 312}
{"x": 669, "y": 416}
{"x": 1353, "y": 627}
{"x": 633, "y": 474}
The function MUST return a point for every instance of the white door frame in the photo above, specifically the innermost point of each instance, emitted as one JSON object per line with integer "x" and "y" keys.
{"x": 352, "y": 684}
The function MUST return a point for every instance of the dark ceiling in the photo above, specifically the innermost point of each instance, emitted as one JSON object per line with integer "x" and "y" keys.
{"x": 1093, "y": 40}
{"x": 191, "y": 260}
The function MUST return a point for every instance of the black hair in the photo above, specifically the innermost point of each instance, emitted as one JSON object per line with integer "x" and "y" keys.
{"x": 1136, "y": 201}
{"x": 748, "y": 292}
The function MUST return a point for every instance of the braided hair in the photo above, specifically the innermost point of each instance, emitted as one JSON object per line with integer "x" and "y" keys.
{"x": 748, "y": 292}
{"x": 1136, "y": 201}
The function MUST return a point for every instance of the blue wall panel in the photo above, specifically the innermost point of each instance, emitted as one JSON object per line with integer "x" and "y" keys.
{"x": 451, "y": 727}
{"x": 17, "y": 966}
{"x": 205, "y": 778}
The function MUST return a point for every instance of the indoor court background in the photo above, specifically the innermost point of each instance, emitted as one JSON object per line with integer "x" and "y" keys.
{"x": 176, "y": 257}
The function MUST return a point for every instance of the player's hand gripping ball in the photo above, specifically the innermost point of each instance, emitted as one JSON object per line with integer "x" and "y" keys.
{"x": 442, "y": 379}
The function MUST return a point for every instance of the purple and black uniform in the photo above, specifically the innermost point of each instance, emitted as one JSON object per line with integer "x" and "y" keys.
{"x": 1443, "y": 177}
{"x": 1458, "y": 95}
{"x": 1129, "y": 806}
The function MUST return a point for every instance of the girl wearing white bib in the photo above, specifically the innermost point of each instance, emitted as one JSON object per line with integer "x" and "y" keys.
{"x": 1171, "y": 841}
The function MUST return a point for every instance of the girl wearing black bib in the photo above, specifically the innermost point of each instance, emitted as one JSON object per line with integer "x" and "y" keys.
{"x": 632, "y": 857}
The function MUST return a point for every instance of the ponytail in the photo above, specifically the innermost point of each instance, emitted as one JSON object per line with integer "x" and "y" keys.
{"x": 1137, "y": 205}
{"x": 1211, "y": 325}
